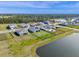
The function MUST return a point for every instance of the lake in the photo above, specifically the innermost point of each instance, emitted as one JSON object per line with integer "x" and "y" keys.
{"x": 65, "y": 47}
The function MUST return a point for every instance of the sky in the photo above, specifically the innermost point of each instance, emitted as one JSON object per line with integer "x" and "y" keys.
{"x": 39, "y": 7}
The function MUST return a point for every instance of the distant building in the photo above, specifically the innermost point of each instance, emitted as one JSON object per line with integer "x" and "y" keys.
{"x": 77, "y": 20}
{"x": 23, "y": 25}
{"x": 74, "y": 21}
{"x": 34, "y": 29}
{"x": 40, "y": 24}
{"x": 12, "y": 26}
{"x": 36, "y": 24}
{"x": 52, "y": 20}
{"x": 5, "y": 16}
{"x": 32, "y": 25}
{"x": 60, "y": 21}
{"x": 47, "y": 22}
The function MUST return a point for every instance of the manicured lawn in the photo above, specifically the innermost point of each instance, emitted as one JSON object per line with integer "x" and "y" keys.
{"x": 41, "y": 34}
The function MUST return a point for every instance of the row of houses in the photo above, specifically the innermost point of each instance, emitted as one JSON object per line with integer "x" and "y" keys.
{"x": 73, "y": 21}
{"x": 45, "y": 25}
{"x": 35, "y": 27}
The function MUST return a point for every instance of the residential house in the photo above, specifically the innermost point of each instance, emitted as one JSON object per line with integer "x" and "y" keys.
{"x": 60, "y": 21}
{"x": 75, "y": 21}
{"x": 34, "y": 29}
{"x": 46, "y": 22}
{"x": 48, "y": 28}
{"x": 23, "y": 25}
{"x": 32, "y": 24}
{"x": 21, "y": 32}
{"x": 40, "y": 24}
{"x": 12, "y": 26}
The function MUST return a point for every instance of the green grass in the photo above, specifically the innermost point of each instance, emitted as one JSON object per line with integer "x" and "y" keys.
{"x": 77, "y": 27}
{"x": 29, "y": 42}
{"x": 3, "y": 27}
{"x": 41, "y": 34}
{"x": 5, "y": 37}
{"x": 4, "y": 44}
{"x": 17, "y": 47}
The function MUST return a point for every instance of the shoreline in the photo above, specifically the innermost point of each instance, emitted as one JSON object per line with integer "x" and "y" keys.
{"x": 47, "y": 41}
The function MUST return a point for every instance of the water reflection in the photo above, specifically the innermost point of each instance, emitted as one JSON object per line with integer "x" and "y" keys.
{"x": 65, "y": 47}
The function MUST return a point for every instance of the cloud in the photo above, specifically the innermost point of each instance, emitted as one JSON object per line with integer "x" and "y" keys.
{"x": 73, "y": 6}
{"x": 46, "y": 7}
{"x": 36, "y": 4}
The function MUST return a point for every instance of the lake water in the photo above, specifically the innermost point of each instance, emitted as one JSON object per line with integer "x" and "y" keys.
{"x": 65, "y": 47}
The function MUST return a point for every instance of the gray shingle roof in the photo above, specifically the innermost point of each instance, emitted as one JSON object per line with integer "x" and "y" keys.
{"x": 34, "y": 29}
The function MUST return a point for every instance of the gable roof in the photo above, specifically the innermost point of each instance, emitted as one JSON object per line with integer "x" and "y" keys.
{"x": 34, "y": 29}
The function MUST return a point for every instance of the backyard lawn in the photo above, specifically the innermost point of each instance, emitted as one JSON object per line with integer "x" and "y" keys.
{"x": 41, "y": 34}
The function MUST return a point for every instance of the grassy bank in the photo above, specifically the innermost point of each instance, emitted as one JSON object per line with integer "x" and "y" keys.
{"x": 16, "y": 46}
{"x": 48, "y": 40}
{"x": 77, "y": 27}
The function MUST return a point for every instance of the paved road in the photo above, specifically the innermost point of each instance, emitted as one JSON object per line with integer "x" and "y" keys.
{"x": 68, "y": 28}
{"x": 72, "y": 28}
{"x": 7, "y": 31}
